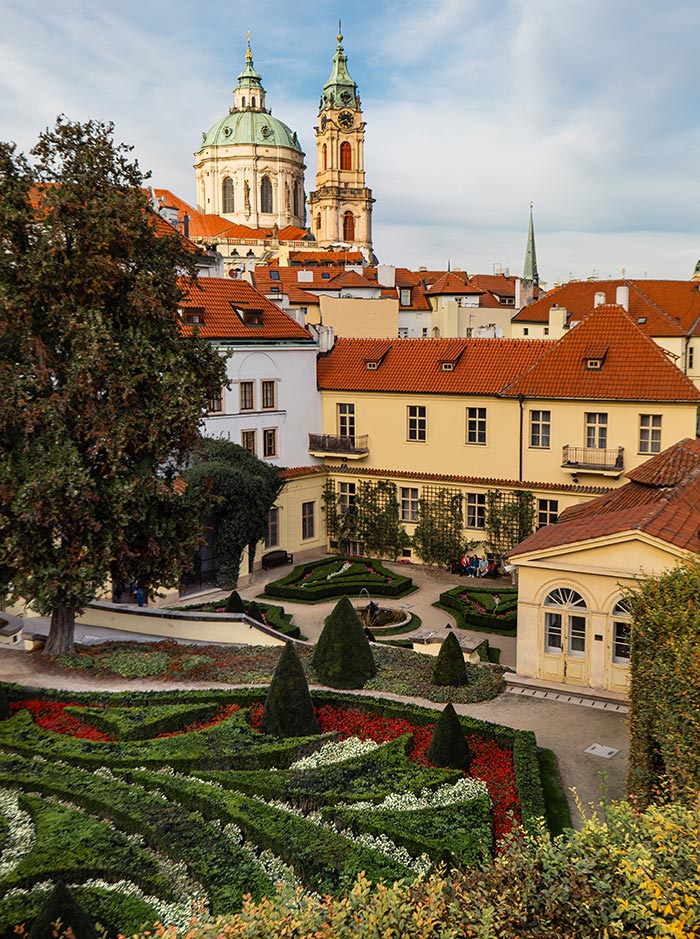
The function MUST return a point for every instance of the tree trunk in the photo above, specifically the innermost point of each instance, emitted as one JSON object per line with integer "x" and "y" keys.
{"x": 62, "y": 632}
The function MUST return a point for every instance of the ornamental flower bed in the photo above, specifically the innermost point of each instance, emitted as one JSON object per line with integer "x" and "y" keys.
{"x": 483, "y": 608}
{"x": 245, "y": 812}
{"x": 339, "y": 577}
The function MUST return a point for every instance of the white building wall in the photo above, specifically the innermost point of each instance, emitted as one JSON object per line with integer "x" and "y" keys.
{"x": 297, "y": 410}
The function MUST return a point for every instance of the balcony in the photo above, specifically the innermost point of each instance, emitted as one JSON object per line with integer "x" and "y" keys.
{"x": 593, "y": 460}
{"x": 345, "y": 448}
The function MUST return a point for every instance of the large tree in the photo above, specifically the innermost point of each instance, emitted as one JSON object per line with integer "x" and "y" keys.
{"x": 238, "y": 491}
{"x": 101, "y": 396}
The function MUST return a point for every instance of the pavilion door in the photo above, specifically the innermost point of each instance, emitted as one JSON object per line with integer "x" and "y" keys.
{"x": 564, "y": 658}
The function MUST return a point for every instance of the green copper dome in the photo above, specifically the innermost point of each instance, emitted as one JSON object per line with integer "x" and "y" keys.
{"x": 250, "y": 127}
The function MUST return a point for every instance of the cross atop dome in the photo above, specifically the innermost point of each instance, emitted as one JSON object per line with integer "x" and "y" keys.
{"x": 250, "y": 92}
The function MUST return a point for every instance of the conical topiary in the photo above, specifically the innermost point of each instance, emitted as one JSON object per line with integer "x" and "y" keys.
{"x": 234, "y": 604}
{"x": 61, "y": 906}
{"x": 289, "y": 711}
{"x": 448, "y": 745}
{"x": 343, "y": 658}
{"x": 449, "y": 668}
{"x": 5, "y": 711}
{"x": 254, "y": 612}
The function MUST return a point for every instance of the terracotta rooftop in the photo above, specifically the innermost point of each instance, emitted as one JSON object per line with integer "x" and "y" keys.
{"x": 660, "y": 307}
{"x": 631, "y": 366}
{"x": 453, "y": 282}
{"x": 217, "y": 300}
{"x": 668, "y": 512}
{"x": 480, "y": 366}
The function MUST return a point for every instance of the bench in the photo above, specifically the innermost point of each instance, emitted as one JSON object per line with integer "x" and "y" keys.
{"x": 276, "y": 559}
{"x": 10, "y": 630}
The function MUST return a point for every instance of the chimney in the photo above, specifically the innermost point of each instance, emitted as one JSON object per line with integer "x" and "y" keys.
{"x": 186, "y": 225}
{"x": 557, "y": 321}
{"x": 622, "y": 297}
{"x": 599, "y": 299}
{"x": 386, "y": 275}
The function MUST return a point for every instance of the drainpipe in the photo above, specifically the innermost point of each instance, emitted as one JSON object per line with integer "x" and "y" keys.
{"x": 521, "y": 398}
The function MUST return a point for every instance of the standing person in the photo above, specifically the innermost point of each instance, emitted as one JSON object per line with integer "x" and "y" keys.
{"x": 140, "y": 595}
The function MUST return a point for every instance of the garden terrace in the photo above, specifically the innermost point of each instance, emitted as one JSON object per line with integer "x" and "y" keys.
{"x": 143, "y": 801}
{"x": 339, "y": 577}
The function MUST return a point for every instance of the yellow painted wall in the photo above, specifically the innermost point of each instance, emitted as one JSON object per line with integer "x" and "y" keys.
{"x": 598, "y": 572}
{"x": 353, "y": 317}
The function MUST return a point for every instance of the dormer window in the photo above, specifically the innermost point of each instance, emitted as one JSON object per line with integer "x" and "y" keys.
{"x": 372, "y": 366}
{"x": 448, "y": 366}
{"x": 193, "y": 316}
{"x": 248, "y": 316}
{"x": 593, "y": 365}
{"x": 641, "y": 320}
{"x": 405, "y": 296}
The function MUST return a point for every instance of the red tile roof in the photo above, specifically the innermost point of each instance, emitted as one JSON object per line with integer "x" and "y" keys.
{"x": 352, "y": 279}
{"x": 483, "y": 366}
{"x": 668, "y": 512}
{"x": 454, "y": 283}
{"x": 670, "y": 307}
{"x": 218, "y": 298}
{"x": 634, "y": 368}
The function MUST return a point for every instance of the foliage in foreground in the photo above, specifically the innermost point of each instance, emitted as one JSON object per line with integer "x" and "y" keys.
{"x": 450, "y": 668}
{"x": 102, "y": 397}
{"x": 343, "y": 657}
{"x": 289, "y": 711}
{"x": 665, "y": 686}
{"x": 623, "y": 875}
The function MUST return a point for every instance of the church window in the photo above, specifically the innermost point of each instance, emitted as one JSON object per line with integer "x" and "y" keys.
{"x": 348, "y": 227}
{"x": 242, "y": 102}
{"x": 324, "y": 157}
{"x": 254, "y": 102}
{"x": 265, "y": 195}
{"x": 345, "y": 156}
{"x": 227, "y": 195}
{"x": 318, "y": 221}
{"x": 295, "y": 198}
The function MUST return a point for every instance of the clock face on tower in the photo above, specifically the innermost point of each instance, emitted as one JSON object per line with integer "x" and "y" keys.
{"x": 345, "y": 119}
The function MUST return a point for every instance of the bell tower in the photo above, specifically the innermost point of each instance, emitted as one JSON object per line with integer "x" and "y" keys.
{"x": 340, "y": 209}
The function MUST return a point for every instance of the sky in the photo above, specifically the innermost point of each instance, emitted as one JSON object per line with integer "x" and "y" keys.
{"x": 474, "y": 109}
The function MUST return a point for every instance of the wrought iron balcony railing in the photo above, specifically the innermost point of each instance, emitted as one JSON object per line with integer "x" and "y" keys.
{"x": 593, "y": 460}
{"x": 352, "y": 448}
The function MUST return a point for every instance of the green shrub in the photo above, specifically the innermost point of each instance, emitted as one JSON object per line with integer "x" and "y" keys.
{"x": 449, "y": 668}
{"x": 310, "y": 582}
{"x": 289, "y": 711}
{"x": 254, "y": 611}
{"x": 60, "y": 905}
{"x": 448, "y": 745}
{"x": 234, "y": 604}
{"x": 475, "y": 608}
{"x": 343, "y": 657}
{"x": 4, "y": 705}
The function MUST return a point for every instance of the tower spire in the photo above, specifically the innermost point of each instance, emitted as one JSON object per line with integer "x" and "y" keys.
{"x": 530, "y": 269}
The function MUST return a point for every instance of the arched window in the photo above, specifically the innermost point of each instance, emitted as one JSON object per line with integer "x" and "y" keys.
{"x": 348, "y": 227}
{"x": 296, "y": 207}
{"x": 253, "y": 102}
{"x": 324, "y": 157}
{"x": 227, "y": 195}
{"x": 318, "y": 221}
{"x": 242, "y": 102}
{"x": 265, "y": 195}
{"x": 345, "y": 156}
{"x": 565, "y": 622}
{"x": 622, "y": 627}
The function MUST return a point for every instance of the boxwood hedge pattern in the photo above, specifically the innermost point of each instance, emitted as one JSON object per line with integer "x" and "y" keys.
{"x": 339, "y": 577}
{"x": 168, "y": 798}
{"x": 483, "y": 608}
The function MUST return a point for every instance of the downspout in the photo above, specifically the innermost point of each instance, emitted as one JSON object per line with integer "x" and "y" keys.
{"x": 521, "y": 398}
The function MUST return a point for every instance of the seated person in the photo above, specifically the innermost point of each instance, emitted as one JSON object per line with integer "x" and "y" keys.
{"x": 492, "y": 568}
{"x": 483, "y": 566}
{"x": 473, "y": 566}
{"x": 464, "y": 564}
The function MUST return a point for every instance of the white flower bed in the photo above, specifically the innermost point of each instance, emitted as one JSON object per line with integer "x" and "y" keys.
{"x": 341, "y": 570}
{"x": 21, "y": 834}
{"x": 336, "y": 752}
{"x": 464, "y": 790}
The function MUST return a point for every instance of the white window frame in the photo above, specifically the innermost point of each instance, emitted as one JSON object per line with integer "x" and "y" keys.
{"x": 308, "y": 520}
{"x": 476, "y": 510}
{"x": 416, "y": 423}
{"x": 476, "y": 427}
{"x": 650, "y": 426}
{"x": 409, "y": 503}
{"x": 540, "y": 429}
{"x": 596, "y": 430}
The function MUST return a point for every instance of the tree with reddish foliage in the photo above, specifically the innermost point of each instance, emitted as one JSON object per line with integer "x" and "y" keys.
{"x": 102, "y": 397}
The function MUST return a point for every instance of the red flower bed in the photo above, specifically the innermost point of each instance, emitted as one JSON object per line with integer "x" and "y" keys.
{"x": 50, "y": 715}
{"x": 222, "y": 714}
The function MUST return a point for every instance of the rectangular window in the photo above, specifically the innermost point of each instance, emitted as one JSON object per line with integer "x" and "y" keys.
{"x": 540, "y": 429}
{"x": 248, "y": 441}
{"x": 547, "y": 512}
{"x": 577, "y": 635}
{"x": 417, "y": 422}
{"x": 346, "y": 497}
{"x": 409, "y": 504}
{"x": 270, "y": 442}
{"x": 405, "y": 296}
{"x": 346, "y": 421}
{"x": 691, "y": 358}
{"x": 650, "y": 433}
{"x": 307, "y": 520}
{"x": 621, "y": 642}
{"x": 215, "y": 405}
{"x": 247, "y": 393}
{"x": 268, "y": 395}
{"x": 403, "y": 332}
{"x": 552, "y": 633}
{"x": 476, "y": 425}
{"x": 596, "y": 430}
{"x": 272, "y": 536}
{"x": 424, "y": 332}
{"x": 476, "y": 510}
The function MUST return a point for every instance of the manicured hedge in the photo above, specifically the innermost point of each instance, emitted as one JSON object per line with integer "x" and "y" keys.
{"x": 501, "y": 619}
{"x": 382, "y": 582}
